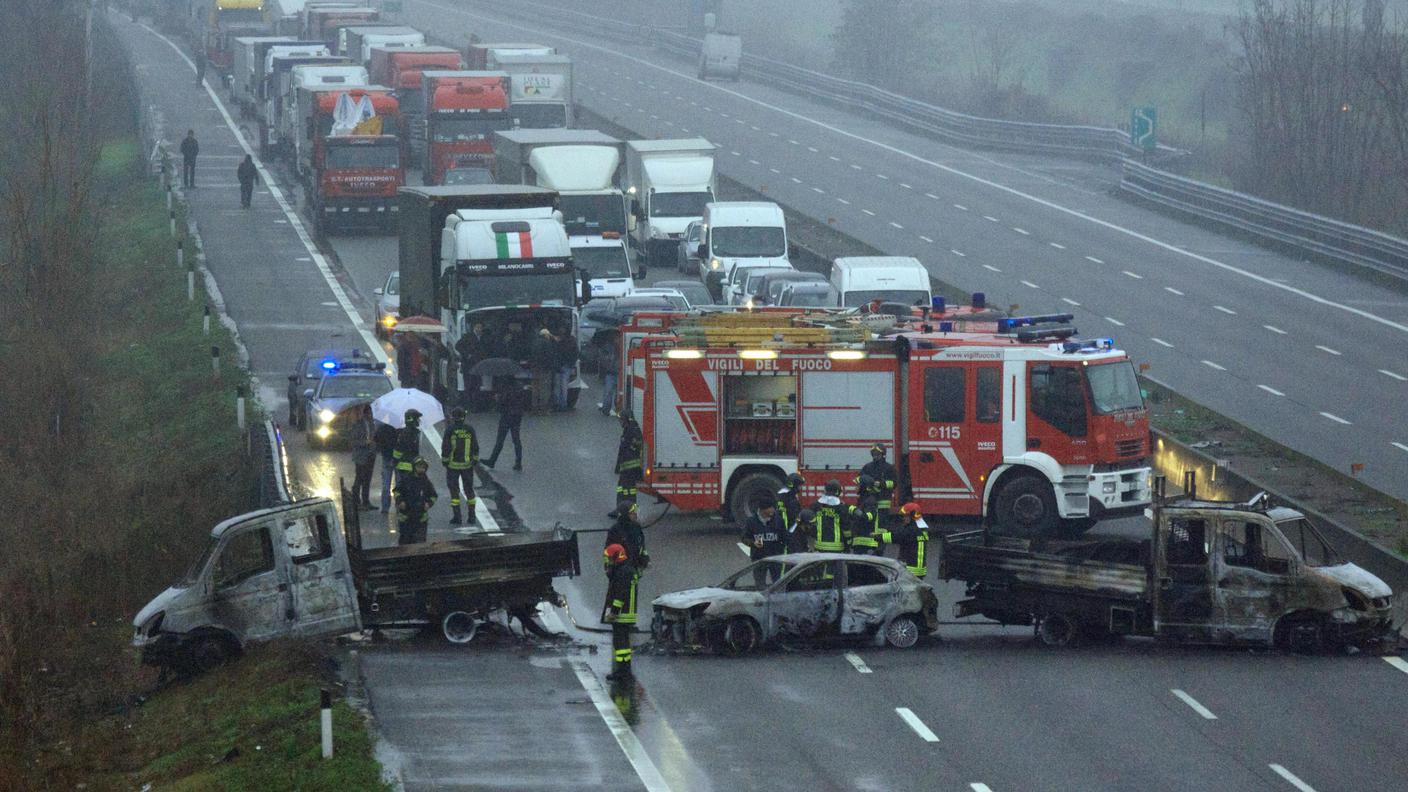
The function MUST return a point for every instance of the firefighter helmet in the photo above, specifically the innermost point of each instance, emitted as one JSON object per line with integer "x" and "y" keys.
{"x": 614, "y": 553}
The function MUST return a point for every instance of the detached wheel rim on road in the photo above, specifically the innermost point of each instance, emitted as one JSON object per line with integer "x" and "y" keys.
{"x": 459, "y": 627}
{"x": 902, "y": 632}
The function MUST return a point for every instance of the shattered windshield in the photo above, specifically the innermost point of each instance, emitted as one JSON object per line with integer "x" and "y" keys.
{"x": 193, "y": 574}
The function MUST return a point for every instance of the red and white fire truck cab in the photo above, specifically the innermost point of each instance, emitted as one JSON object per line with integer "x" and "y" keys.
{"x": 1024, "y": 427}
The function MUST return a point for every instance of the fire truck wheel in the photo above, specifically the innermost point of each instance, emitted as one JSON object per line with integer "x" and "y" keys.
{"x": 748, "y": 489}
{"x": 1026, "y": 507}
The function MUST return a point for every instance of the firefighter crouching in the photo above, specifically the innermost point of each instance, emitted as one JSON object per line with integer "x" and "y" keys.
{"x": 830, "y": 532}
{"x": 620, "y": 609}
{"x": 865, "y": 519}
{"x": 911, "y": 537}
{"x": 628, "y": 458}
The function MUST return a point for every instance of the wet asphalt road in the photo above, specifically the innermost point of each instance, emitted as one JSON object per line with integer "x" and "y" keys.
{"x": 1004, "y": 713}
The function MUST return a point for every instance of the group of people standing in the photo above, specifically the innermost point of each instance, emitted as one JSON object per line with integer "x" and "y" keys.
{"x": 549, "y": 355}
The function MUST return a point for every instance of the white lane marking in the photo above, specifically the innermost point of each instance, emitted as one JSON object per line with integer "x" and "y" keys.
{"x": 736, "y": 154}
{"x": 1030, "y": 284}
{"x": 896, "y": 225}
{"x": 818, "y": 190}
{"x": 793, "y": 142}
{"x": 1398, "y": 377}
{"x": 1161, "y": 342}
{"x": 740, "y": 122}
{"x": 976, "y": 787}
{"x": 796, "y": 180}
{"x": 1172, "y": 290}
{"x": 303, "y": 258}
{"x": 917, "y": 725}
{"x": 935, "y": 197}
{"x": 959, "y": 207}
{"x": 906, "y": 186}
{"x": 844, "y": 201}
{"x": 1192, "y": 702}
{"x": 1069, "y": 301}
{"x": 990, "y": 218}
{"x": 1114, "y": 321}
{"x": 1022, "y": 231}
{"x": 991, "y": 267}
{"x": 359, "y": 326}
{"x": 722, "y": 114}
{"x": 1291, "y": 777}
{"x": 1106, "y": 224}
{"x": 1092, "y": 258}
{"x": 745, "y": 549}
{"x": 1057, "y": 245}
{"x": 1134, "y": 275}
{"x": 774, "y": 134}
{"x": 1276, "y": 330}
{"x": 1227, "y": 311}
{"x": 1404, "y": 667}
{"x": 1335, "y": 418}
{"x": 833, "y": 157}
{"x": 926, "y": 239}
{"x": 882, "y": 176}
{"x": 856, "y": 167}
{"x": 867, "y": 211}
{"x": 654, "y": 117}
{"x": 855, "y": 660}
{"x": 635, "y": 753}
{"x": 1271, "y": 390}
{"x": 812, "y": 150}
{"x": 1213, "y": 365}
{"x": 1335, "y": 352}
{"x": 774, "y": 170}
{"x": 958, "y": 253}
{"x": 754, "y": 162}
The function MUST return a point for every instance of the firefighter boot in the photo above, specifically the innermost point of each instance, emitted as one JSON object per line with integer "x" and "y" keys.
{"x": 455, "y": 514}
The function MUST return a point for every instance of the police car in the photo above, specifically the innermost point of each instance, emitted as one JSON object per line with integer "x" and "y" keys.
{"x": 327, "y": 384}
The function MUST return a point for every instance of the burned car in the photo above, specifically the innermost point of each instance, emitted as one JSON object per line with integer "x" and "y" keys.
{"x": 800, "y": 596}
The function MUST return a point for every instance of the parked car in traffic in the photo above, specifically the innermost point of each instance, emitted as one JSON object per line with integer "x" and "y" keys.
{"x": 687, "y": 260}
{"x": 388, "y": 306}
{"x": 601, "y": 318}
{"x": 765, "y": 289}
{"x": 309, "y": 370}
{"x": 801, "y": 596}
{"x": 331, "y": 407}
{"x": 694, "y": 292}
{"x": 810, "y": 294}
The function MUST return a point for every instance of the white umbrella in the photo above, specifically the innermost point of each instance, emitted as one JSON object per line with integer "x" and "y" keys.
{"x": 390, "y": 408}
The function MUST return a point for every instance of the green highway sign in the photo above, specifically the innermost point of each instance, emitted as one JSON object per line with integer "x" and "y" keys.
{"x": 1144, "y": 127}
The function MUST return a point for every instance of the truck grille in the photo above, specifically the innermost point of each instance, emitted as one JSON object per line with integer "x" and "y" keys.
{"x": 1127, "y": 448}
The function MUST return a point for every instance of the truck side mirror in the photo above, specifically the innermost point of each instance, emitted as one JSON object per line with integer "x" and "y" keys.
{"x": 293, "y": 378}
{"x": 308, "y": 394}
{"x": 631, "y": 223}
{"x": 378, "y": 291}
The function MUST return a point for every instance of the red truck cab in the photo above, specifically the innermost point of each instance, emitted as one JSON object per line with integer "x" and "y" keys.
{"x": 401, "y": 69}
{"x": 463, "y": 110}
{"x": 351, "y": 179}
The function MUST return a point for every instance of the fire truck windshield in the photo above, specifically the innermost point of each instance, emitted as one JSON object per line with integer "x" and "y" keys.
{"x": 492, "y": 291}
{"x": 360, "y": 157}
{"x": 749, "y": 241}
{"x": 1113, "y": 387}
{"x": 459, "y": 130}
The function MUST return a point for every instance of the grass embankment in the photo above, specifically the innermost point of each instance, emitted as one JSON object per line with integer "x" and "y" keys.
{"x": 162, "y": 462}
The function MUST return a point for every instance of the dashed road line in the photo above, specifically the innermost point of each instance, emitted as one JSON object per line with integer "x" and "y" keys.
{"x": 926, "y": 239}
{"x": 1093, "y": 259}
{"x": 916, "y": 724}
{"x": 1030, "y": 284}
{"x": 1192, "y": 702}
{"x": 959, "y": 207}
{"x": 1114, "y": 321}
{"x": 935, "y": 197}
{"x": 1213, "y": 365}
{"x": 958, "y": 253}
{"x": 867, "y": 211}
{"x": 1404, "y": 667}
{"x": 882, "y": 176}
{"x": 736, "y": 154}
{"x": 1225, "y": 310}
{"x": 1161, "y": 342}
{"x": 856, "y": 167}
{"x": 1134, "y": 275}
{"x": 754, "y": 162}
{"x": 854, "y": 659}
{"x": 896, "y": 225}
{"x": 774, "y": 170}
{"x": 991, "y": 267}
{"x": 833, "y": 157}
{"x": 1022, "y": 231}
{"x": 1398, "y": 377}
{"x": 1291, "y": 778}
{"x": 796, "y": 180}
{"x": 1271, "y": 390}
{"x": 977, "y": 787}
{"x": 793, "y": 142}
{"x": 812, "y": 150}
{"x": 990, "y": 218}
{"x": 844, "y": 201}
{"x": 1276, "y": 330}
{"x": 819, "y": 190}
{"x": 906, "y": 186}
{"x": 1335, "y": 418}
{"x": 1069, "y": 301}
{"x": 1328, "y": 350}
{"x": 1057, "y": 245}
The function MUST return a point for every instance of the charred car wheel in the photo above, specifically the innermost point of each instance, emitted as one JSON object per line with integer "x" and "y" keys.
{"x": 903, "y": 631}
{"x": 1057, "y": 629}
{"x": 459, "y": 627}
{"x": 207, "y": 653}
{"x": 739, "y": 636}
{"x": 1302, "y": 636}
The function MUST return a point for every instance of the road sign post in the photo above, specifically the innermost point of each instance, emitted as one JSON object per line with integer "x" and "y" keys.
{"x": 1144, "y": 127}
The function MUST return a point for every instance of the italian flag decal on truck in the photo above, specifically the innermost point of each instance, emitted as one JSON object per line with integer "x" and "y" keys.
{"x": 517, "y": 244}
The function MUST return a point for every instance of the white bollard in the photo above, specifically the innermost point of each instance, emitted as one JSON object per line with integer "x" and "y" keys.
{"x": 239, "y": 406}
{"x": 180, "y": 253}
{"x": 168, "y": 197}
{"x": 172, "y": 216}
{"x": 190, "y": 285}
{"x": 215, "y": 360}
{"x": 327, "y": 723}
{"x": 205, "y": 321}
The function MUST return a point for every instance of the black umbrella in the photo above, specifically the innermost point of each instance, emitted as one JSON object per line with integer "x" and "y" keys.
{"x": 497, "y": 367}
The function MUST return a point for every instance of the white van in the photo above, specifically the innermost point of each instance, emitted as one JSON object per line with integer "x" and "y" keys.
{"x": 859, "y": 280}
{"x": 720, "y": 56}
{"x": 740, "y": 235}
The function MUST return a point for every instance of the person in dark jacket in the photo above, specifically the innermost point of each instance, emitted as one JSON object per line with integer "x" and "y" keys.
{"x": 911, "y": 537}
{"x": 789, "y": 502}
{"x": 622, "y": 578}
{"x": 189, "y": 150}
{"x": 513, "y": 402}
{"x": 384, "y": 438}
{"x": 865, "y": 519}
{"x": 766, "y": 537}
{"x": 628, "y": 458}
{"x": 200, "y": 60}
{"x": 884, "y": 476}
{"x": 799, "y": 536}
{"x": 831, "y": 531}
{"x": 460, "y": 453}
{"x": 407, "y": 448}
{"x": 628, "y": 533}
{"x": 363, "y": 457}
{"x": 473, "y": 348}
{"x": 542, "y": 360}
{"x": 610, "y": 372}
{"x": 566, "y": 364}
{"x": 415, "y": 496}
{"x": 248, "y": 175}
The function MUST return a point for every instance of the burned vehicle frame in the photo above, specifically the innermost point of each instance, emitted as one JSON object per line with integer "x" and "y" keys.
{"x": 812, "y": 597}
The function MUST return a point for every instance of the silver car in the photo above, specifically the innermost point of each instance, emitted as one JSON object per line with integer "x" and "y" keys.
{"x": 801, "y": 596}
{"x": 388, "y": 305}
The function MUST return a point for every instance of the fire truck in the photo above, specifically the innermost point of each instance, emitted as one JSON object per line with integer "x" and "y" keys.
{"x": 1022, "y": 425}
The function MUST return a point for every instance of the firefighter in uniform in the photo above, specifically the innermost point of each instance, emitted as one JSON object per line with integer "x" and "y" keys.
{"x": 766, "y": 537}
{"x": 415, "y": 496}
{"x": 620, "y": 609}
{"x": 407, "y": 449}
{"x": 865, "y": 519}
{"x": 789, "y": 503}
{"x": 628, "y": 533}
{"x": 830, "y": 533}
{"x": 911, "y": 537}
{"x": 885, "y": 477}
{"x": 628, "y": 458}
{"x": 460, "y": 453}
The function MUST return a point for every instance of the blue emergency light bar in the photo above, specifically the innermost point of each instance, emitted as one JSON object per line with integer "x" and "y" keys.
{"x": 1012, "y": 323}
{"x": 1092, "y": 345}
{"x": 939, "y": 304}
{"x": 329, "y": 364}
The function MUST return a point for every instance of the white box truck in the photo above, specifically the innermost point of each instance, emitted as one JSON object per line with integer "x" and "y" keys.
{"x": 540, "y": 88}
{"x": 860, "y": 280}
{"x": 668, "y": 182}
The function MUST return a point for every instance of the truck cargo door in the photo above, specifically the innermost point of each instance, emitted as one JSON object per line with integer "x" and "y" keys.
{"x": 844, "y": 413}
{"x": 323, "y": 599}
{"x": 955, "y": 434}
